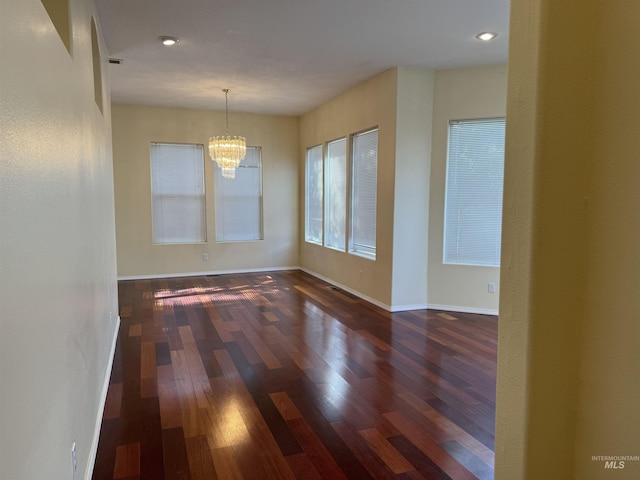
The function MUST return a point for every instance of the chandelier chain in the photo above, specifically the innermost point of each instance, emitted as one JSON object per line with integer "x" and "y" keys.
{"x": 226, "y": 107}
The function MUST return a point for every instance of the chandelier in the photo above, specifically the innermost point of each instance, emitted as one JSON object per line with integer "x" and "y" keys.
{"x": 225, "y": 150}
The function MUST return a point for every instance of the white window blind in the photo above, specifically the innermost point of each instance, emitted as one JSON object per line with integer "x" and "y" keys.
{"x": 238, "y": 201}
{"x": 178, "y": 195}
{"x": 364, "y": 193}
{"x": 335, "y": 195}
{"x": 473, "y": 203}
{"x": 313, "y": 196}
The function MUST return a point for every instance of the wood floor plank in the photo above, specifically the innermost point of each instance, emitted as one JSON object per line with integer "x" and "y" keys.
{"x": 449, "y": 428}
{"x": 315, "y": 450}
{"x": 430, "y": 448}
{"x": 135, "y": 330}
{"x": 113, "y": 401}
{"x": 279, "y": 375}
{"x": 469, "y": 460}
{"x": 320, "y": 416}
{"x": 148, "y": 387}
{"x": 263, "y": 403}
{"x": 176, "y": 462}
{"x": 224, "y": 425}
{"x": 271, "y": 449}
{"x": 224, "y": 461}
{"x": 233, "y": 378}
{"x": 424, "y": 465}
{"x": 248, "y": 351}
{"x": 481, "y": 429}
{"x": 127, "y": 461}
{"x": 394, "y": 459}
{"x": 262, "y": 350}
{"x": 271, "y": 316}
{"x": 376, "y": 466}
{"x": 285, "y": 406}
{"x": 218, "y": 323}
{"x": 302, "y": 467}
{"x": 151, "y": 450}
{"x": 168, "y": 396}
{"x": 191, "y": 420}
{"x": 200, "y": 461}
{"x": 148, "y": 360}
{"x": 194, "y": 368}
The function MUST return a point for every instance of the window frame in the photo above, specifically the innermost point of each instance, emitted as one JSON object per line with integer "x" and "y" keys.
{"x": 356, "y": 248}
{"x": 202, "y": 195}
{"x": 328, "y": 195}
{"x": 447, "y": 260}
{"x": 217, "y": 177}
{"x": 307, "y": 218}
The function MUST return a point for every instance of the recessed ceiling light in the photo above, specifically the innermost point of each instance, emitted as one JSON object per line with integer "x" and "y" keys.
{"x": 168, "y": 41}
{"x": 486, "y": 36}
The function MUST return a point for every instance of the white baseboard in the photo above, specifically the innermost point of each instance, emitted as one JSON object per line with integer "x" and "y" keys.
{"x": 198, "y": 274}
{"x": 384, "y": 306}
{"x": 103, "y": 398}
{"x": 401, "y": 308}
{"x": 347, "y": 289}
{"x": 406, "y": 308}
{"x": 453, "y": 308}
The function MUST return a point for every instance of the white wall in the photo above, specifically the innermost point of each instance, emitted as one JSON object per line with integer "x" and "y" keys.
{"x": 134, "y": 127}
{"x": 58, "y": 295}
{"x": 414, "y": 113}
{"x": 460, "y": 94}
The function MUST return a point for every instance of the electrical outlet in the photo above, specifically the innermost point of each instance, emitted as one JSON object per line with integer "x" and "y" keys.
{"x": 205, "y": 257}
{"x": 74, "y": 461}
{"x": 492, "y": 288}
{"x": 361, "y": 274}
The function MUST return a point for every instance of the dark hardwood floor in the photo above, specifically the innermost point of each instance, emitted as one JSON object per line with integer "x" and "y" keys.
{"x": 280, "y": 376}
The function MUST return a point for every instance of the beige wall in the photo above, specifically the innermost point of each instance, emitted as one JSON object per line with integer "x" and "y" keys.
{"x": 568, "y": 383}
{"x": 134, "y": 127}
{"x": 460, "y": 94}
{"x": 402, "y": 103}
{"x": 569, "y": 331}
{"x": 608, "y": 412}
{"x": 58, "y": 294}
{"x": 372, "y": 104}
{"x": 412, "y": 107}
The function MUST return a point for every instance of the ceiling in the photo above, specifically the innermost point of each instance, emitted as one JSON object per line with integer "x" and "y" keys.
{"x": 286, "y": 57}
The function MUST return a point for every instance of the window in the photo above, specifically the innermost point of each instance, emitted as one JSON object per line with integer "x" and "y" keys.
{"x": 335, "y": 195}
{"x": 239, "y": 200}
{"x": 313, "y": 196}
{"x": 363, "y": 194}
{"x": 473, "y": 200}
{"x": 177, "y": 192}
